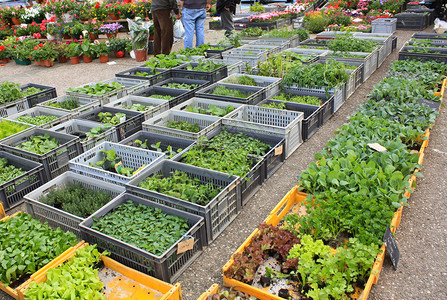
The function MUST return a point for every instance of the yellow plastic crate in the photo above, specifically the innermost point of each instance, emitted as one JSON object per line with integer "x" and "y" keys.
{"x": 123, "y": 286}
{"x": 2, "y": 212}
{"x": 441, "y": 92}
{"x": 211, "y": 291}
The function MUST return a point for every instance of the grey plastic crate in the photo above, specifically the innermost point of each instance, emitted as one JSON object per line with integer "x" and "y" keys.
{"x": 369, "y": 62}
{"x": 48, "y": 92}
{"x": 309, "y": 51}
{"x": 13, "y": 107}
{"x": 126, "y": 128}
{"x": 204, "y": 104}
{"x": 283, "y": 44}
{"x": 217, "y": 53}
{"x": 84, "y": 104}
{"x": 384, "y": 25}
{"x": 247, "y": 56}
{"x": 158, "y": 124}
{"x": 56, "y": 217}
{"x": 256, "y": 94}
{"x": 381, "y": 38}
{"x": 159, "y": 105}
{"x": 337, "y": 92}
{"x": 271, "y": 161}
{"x": 166, "y": 267}
{"x": 12, "y": 191}
{"x": 55, "y": 162}
{"x": 156, "y": 75}
{"x": 130, "y": 86}
{"x": 178, "y": 95}
{"x": 211, "y": 76}
{"x": 233, "y": 66}
{"x": 271, "y": 85}
{"x": 80, "y": 127}
{"x": 136, "y": 158}
{"x": 294, "y": 41}
{"x": 178, "y": 145}
{"x": 312, "y": 57}
{"x": 275, "y": 122}
{"x": 218, "y": 213}
{"x": 270, "y": 48}
{"x": 43, "y": 111}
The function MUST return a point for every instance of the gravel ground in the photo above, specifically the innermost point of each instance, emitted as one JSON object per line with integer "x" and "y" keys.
{"x": 423, "y": 266}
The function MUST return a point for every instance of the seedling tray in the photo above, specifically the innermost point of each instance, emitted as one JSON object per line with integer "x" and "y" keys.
{"x": 136, "y": 158}
{"x": 84, "y": 104}
{"x": 204, "y": 104}
{"x": 43, "y": 111}
{"x": 382, "y": 38}
{"x": 271, "y": 161}
{"x": 312, "y": 43}
{"x": 12, "y": 192}
{"x": 369, "y": 62}
{"x": 160, "y": 105}
{"x": 218, "y": 213}
{"x": 441, "y": 56}
{"x": 56, "y": 217}
{"x": 158, "y": 124}
{"x": 270, "y": 84}
{"x": 338, "y": 93}
{"x": 166, "y": 267}
{"x": 48, "y": 92}
{"x": 13, "y": 107}
{"x": 55, "y": 162}
{"x": 165, "y": 142}
{"x": 233, "y": 66}
{"x": 315, "y": 53}
{"x": 271, "y": 49}
{"x": 248, "y": 56}
{"x": 283, "y": 44}
{"x": 187, "y": 93}
{"x": 258, "y": 93}
{"x": 179, "y": 95}
{"x": 276, "y": 122}
{"x": 211, "y": 76}
{"x": 77, "y": 127}
{"x": 157, "y": 74}
{"x": 292, "y": 42}
{"x": 130, "y": 86}
{"x": 131, "y": 125}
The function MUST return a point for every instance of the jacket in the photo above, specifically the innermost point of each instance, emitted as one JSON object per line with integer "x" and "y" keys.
{"x": 165, "y": 4}
{"x": 231, "y": 4}
{"x": 194, "y": 4}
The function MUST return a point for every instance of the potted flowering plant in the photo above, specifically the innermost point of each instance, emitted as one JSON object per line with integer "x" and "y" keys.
{"x": 62, "y": 51}
{"x": 102, "y": 50}
{"x": 99, "y": 12}
{"x": 32, "y": 14}
{"x": 6, "y": 14}
{"x": 21, "y": 50}
{"x": 118, "y": 46}
{"x": 5, "y": 52}
{"x": 111, "y": 29}
{"x": 93, "y": 29}
{"x": 73, "y": 52}
{"x": 114, "y": 10}
{"x": 87, "y": 51}
{"x": 66, "y": 31}
{"x": 44, "y": 54}
{"x": 16, "y": 13}
{"x": 76, "y": 29}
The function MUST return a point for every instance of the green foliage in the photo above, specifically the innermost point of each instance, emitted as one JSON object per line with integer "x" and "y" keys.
{"x": 181, "y": 86}
{"x": 113, "y": 163}
{"x": 183, "y": 125}
{"x": 8, "y": 172}
{"x": 204, "y": 66}
{"x": 78, "y": 276}
{"x": 37, "y": 120}
{"x": 31, "y": 91}
{"x": 98, "y": 89}
{"x": 275, "y": 105}
{"x": 346, "y": 42}
{"x": 138, "y": 107}
{"x": 298, "y": 99}
{"x": 112, "y": 119}
{"x": 39, "y": 144}
{"x": 168, "y": 150}
{"x": 69, "y": 104}
{"x": 211, "y": 110}
{"x": 10, "y": 91}
{"x": 242, "y": 79}
{"x": 28, "y": 245}
{"x": 223, "y": 91}
{"x": 256, "y": 7}
{"x": 163, "y": 97}
{"x": 163, "y": 61}
{"x": 181, "y": 186}
{"x": 284, "y": 33}
{"x": 8, "y": 128}
{"x": 142, "y": 226}
{"x": 76, "y": 199}
{"x": 251, "y": 32}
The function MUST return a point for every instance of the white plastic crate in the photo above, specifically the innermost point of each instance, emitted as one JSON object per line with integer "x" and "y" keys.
{"x": 384, "y": 25}
{"x": 270, "y": 121}
{"x": 43, "y": 111}
{"x": 84, "y": 104}
{"x": 248, "y": 56}
{"x": 204, "y": 104}
{"x": 271, "y": 85}
{"x": 159, "y": 105}
{"x": 233, "y": 66}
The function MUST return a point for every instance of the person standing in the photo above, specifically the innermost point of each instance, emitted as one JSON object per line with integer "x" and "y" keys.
{"x": 163, "y": 26}
{"x": 194, "y": 15}
{"x": 226, "y": 9}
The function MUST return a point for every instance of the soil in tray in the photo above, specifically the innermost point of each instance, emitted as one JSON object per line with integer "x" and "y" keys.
{"x": 16, "y": 283}
{"x": 117, "y": 286}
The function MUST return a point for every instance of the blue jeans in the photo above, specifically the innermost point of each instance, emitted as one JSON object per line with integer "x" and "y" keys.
{"x": 194, "y": 19}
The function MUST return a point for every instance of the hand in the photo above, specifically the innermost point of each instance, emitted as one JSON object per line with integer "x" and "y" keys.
{"x": 227, "y": 8}
{"x": 178, "y": 16}
{"x": 208, "y": 7}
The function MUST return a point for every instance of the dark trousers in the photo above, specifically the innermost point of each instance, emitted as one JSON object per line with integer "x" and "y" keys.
{"x": 163, "y": 31}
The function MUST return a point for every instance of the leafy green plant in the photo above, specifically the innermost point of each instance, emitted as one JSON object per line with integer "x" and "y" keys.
{"x": 181, "y": 86}
{"x": 10, "y": 91}
{"x": 251, "y": 32}
{"x": 69, "y": 104}
{"x": 243, "y": 80}
{"x": 181, "y": 186}
{"x": 163, "y": 97}
{"x": 163, "y": 61}
{"x": 31, "y": 91}
{"x": 224, "y": 91}
{"x": 28, "y": 245}
{"x": 274, "y": 105}
{"x": 113, "y": 163}
{"x": 211, "y": 110}
{"x": 183, "y": 125}
{"x": 168, "y": 150}
{"x": 157, "y": 231}
{"x": 112, "y": 119}
{"x": 204, "y": 66}
{"x": 298, "y": 99}
{"x": 8, "y": 128}
{"x": 76, "y": 199}
{"x": 138, "y": 107}
{"x": 98, "y": 89}
{"x": 8, "y": 172}
{"x": 39, "y": 144}
{"x": 346, "y": 42}
{"x": 37, "y": 120}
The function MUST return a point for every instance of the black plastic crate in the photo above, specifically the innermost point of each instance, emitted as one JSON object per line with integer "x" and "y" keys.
{"x": 438, "y": 54}
{"x": 188, "y": 93}
{"x": 157, "y": 74}
{"x": 179, "y": 95}
{"x": 218, "y": 213}
{"x": 165, "y": 141}
{"x": 273, "y": 159}
{"x": 393, "y": 43}
{"x": 431, "y": 36}
{"x": 412, "y": 21}
{"x": 47, "y": 93}
{"x": 431, "y": 13}
{"x": 215, "y": 25}
{"x": 55, "y": 162}
{"x": 210, "y": 52}
{"x": 12, "y": 192}
{"x": 256, "y": 96}
{"x": 56, "y": 217}
{"x": 132, "y": 125}
{"x": 211, "y": 76}
{"x": 166, "y": 267}
{"x": 314, "y": 43}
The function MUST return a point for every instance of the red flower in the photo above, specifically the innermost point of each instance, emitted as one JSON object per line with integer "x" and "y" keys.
{"x": 120, "y": 53}
{"x": 17, "y": 39}
{"x": 40, "y": 45}
{"x": 35, "y": 48}
{"x": 97, "y": 5}
{"x": 2, "y": 48}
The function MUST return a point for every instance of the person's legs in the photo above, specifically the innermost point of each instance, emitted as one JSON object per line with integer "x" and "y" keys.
{"x": 189, "y": 24}
{"x": 157, "y": 33}
{"x": 226, "y": 18}
{"x": 167, "y": 31}
{"x": 200, "y": 27}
